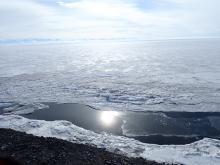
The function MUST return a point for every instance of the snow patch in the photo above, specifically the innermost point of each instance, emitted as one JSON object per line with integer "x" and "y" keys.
{"x": 206, "y": 151}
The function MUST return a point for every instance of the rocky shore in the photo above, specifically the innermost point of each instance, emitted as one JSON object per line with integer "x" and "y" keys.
{"x": 31, "y": 150}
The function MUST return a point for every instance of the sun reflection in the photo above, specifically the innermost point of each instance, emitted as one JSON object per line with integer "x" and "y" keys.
{"x": 108, "y": 117}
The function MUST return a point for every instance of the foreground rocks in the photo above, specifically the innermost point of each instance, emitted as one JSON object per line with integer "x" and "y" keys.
{"x": 31, "y": 150}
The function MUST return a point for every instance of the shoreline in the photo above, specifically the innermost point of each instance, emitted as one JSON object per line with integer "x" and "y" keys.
{"x": 29, "y": 149}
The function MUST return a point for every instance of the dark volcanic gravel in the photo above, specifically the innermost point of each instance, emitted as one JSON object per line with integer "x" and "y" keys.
{"x": 31, "y": 150}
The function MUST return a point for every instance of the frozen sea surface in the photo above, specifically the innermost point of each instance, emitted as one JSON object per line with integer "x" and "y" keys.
{"x": 174, "y": 75}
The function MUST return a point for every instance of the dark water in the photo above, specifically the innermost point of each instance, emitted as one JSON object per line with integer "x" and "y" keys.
{"x": 80, "y": 115}
{"x": 147, "y": 127}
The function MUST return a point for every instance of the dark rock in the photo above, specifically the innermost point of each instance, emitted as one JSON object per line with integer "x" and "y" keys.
{"x": 28, "y": 149}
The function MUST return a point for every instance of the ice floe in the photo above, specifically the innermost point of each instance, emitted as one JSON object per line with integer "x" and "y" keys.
{"x": 22, "y": 108}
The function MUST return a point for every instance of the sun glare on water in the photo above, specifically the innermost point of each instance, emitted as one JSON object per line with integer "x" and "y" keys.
{"x": 108, "y": 117}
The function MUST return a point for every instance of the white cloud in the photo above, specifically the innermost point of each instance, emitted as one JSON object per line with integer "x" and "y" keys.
{"x": 171, "y": 19}
{"x": 107, "y": 10}
{"x": 21, "y": 19}
{"x": 125, "y": 19}
{"x": 109, "y": 19}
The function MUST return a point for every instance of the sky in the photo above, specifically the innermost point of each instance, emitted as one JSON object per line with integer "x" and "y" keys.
{"x": 109, "y": 19}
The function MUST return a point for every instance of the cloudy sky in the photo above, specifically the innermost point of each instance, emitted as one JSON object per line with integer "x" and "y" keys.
{"x": 86, "y": 19}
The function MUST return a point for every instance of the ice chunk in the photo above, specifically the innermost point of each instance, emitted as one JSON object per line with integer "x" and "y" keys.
{"x": 24, "y": 108}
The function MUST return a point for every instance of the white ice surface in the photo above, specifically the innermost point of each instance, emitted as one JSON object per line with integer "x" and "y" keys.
{"x": 23, "y": 109}
{"x": 203, "y": 152}
{"x": 178, "y": 75}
